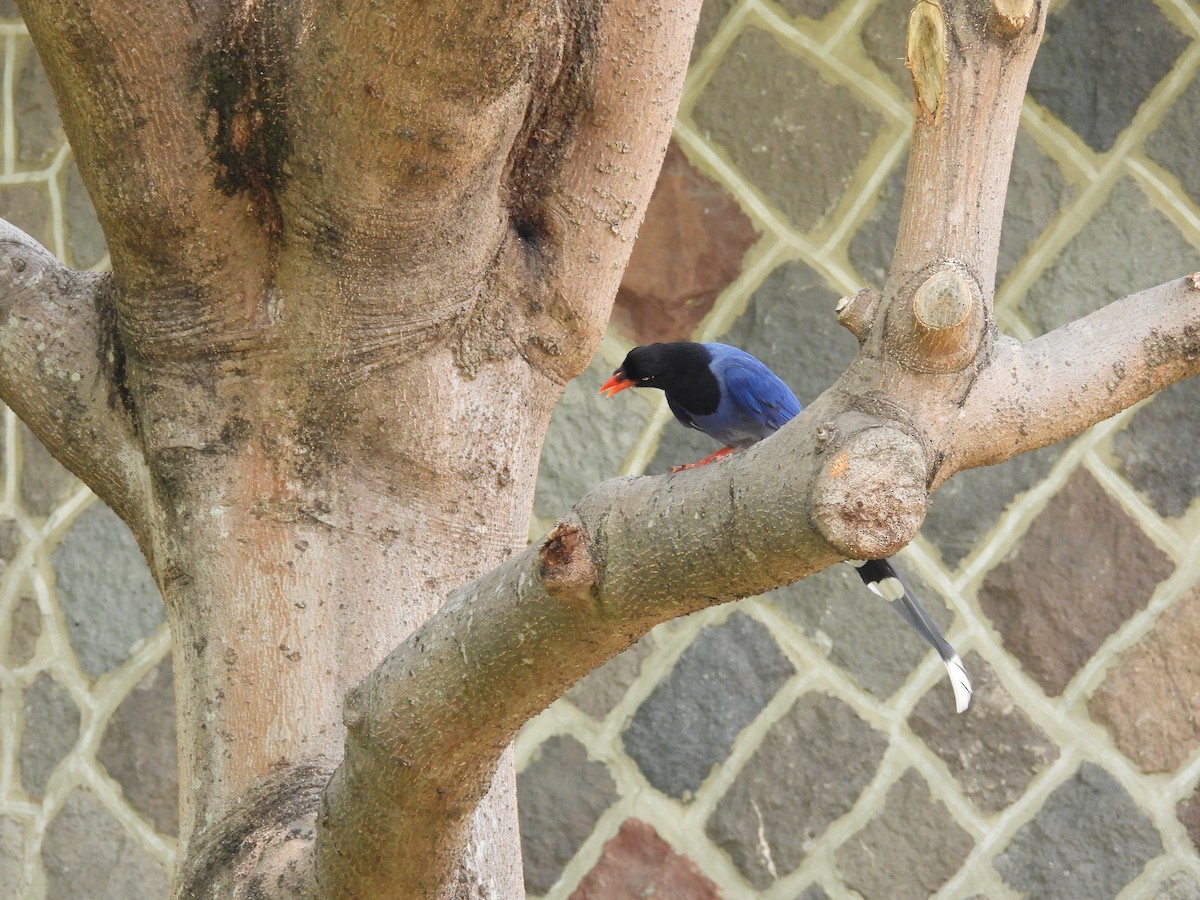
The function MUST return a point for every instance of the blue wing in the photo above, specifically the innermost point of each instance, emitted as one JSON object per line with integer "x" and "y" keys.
{"x": 754, "y": 388}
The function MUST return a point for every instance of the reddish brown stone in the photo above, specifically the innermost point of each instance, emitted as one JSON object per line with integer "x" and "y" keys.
{"x": 689, "y": 248}
{"x": 638, "y": 863}
{"x": 1188, "y": 812}
{"x": 1150, "y": 701}
{"x": 1083, "y": 568}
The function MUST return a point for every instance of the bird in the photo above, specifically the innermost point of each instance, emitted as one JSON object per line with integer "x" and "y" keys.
{"x": 734, "y": 397}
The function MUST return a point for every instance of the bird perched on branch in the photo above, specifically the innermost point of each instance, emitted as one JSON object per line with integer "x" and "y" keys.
{"x": 733, "y": 397}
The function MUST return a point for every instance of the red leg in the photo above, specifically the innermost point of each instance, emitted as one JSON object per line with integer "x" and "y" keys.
{"x": 712, "y": 457}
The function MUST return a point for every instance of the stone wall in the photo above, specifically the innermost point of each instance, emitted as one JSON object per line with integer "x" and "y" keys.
{"x": 801, "y": 744}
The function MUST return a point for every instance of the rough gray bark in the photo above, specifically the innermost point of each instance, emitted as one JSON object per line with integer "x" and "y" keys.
{"x": 357, "y": 250}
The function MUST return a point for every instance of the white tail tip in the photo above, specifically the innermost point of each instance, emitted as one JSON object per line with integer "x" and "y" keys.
{"x": 960, "y": 682}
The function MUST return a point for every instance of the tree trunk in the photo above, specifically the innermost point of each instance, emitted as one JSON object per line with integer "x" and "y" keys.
{"x": 357, "y": 252}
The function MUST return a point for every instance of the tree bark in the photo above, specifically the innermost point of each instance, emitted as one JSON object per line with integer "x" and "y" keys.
{"x": 357, "y": 251}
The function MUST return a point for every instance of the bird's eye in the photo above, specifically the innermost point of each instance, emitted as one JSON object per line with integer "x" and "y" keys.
{"x": 645, "y": 378}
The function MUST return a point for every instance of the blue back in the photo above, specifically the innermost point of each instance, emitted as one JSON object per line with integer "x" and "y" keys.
{"x": 755, "y": 403}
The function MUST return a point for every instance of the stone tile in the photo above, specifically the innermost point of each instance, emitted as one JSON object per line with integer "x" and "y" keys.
{"x": 796, "y": 136}
{"x": 712, "y": 14}
{"x": 138, "y": 749}
{"x": 560, "y": 795}
{"x": 688, "y": 250}
{"x": 1150, "y": 700}
{"x": 28, "y": 207}
{"x": 995, "y": 750}
{"x": 909, "y": 849}
{"x": 12, "y": 851}
{"x": 861, "y": 634}
{"x": 1086, "y": 843}
{"x": 1147, "y": 449}
{"x": 813, "y": 892}
{"x": 89, "y": 855}
{"x": 26, "y": 629}
{"x": 1103, "y": 262}
{"x": 583, "y": 420}
{"x": 717, "y": 687}
{"x": 813, "y": 9}
{"x": 111, "y": 607}
{"x": 639, "y": 863}
{"x": 1037, "y": 193}
{"x": 85, "y": 239}
{"x": 883, "y": 37}
{"x": 9, "y": 10}
{"x": 45, "y": 482}
{"x": 1188, "y": 813}
{"x": 1179, "y": 886}
{"x": 790, "y": 325}
{"x": 970, "y": 504}
{"x": 1099, "y": 61}
{"x": 602, "y": 689}
{"x": 1083, "y": 568}
{"x": 39, "y": 129}
{"x": 51, "y": 730}
{"x": 1176, "y": 143}
{"x": 809, "y": 770}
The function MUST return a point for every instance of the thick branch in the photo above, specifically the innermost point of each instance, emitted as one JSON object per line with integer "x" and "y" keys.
{"x": 1057, "y": 385}
{"x": 61, "y": 369}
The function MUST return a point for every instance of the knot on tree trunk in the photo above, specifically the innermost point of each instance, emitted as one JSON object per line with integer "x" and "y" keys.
{"x": 870, "y": 496}
{"x": 938, "y": 320}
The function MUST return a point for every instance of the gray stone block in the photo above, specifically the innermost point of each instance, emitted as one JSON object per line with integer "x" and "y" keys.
{"x": 813, "y": 9}
{"x": 1176, "y": 143}
{"x": 909, "y": 849}
{"x": 1086, "y": 843}
{"x": 588, "y": 440}
{"x": 107, "y": 593}
{"x": 809, "y": 770}
{"x": 712, "y": 14}
{"x": 560, "y": 795}
{"x": 89, "y": 855}
{"x": 717, "y": 687}
{"x": 51, "y": 730}
{"x": 862, "y": 634}
{"x": 971, "y": 503}
{"x": 1099, "y": 61}
{"x": 39, "y": 129}
{"x": 1126, "y": 247}
{"x": 138, "y": 749}
{"x": 1149, "y": 449}
{"x": 12, "y": 852}
{"x": 85, "y": 239}
{"x": 602, "y": 689}
{"x": 796, "y": 136}
{"x": 45, "y": 482}
{"x": 883, "y": 37}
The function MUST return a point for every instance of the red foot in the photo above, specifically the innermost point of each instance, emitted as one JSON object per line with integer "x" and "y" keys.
{"x": 712, "y": 457}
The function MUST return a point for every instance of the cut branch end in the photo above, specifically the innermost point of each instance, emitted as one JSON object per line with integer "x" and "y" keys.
{"x": 925, "y": 56}
{"x": 856, "y": 313}
{"x": 565, "y": 565}
{"x": 1008, "y": 18}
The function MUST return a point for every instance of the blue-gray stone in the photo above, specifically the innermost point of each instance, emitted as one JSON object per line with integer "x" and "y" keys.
{"x": 1176, "y": 143}
{"x": 560, "y": 795}
{"x": 717, "y": 687}
{"x": 85, "y": 238}
{"x": 796, "y": 136}
{"x": 1155, "y": 450}
{"x": 971, "y": 503}
{"x": 909, "y": 849}
{"x": 588, "y": 439}
{"x": 808, "y": 771}
{"x": 602, "y": 689}
{"x": 39, "y": 129}
{"x": 1099, "y": 61}
{"x": 1087, "y": 842}
{"x": 88, "y": 855}
{"x": 883, "y": 37}
{"x": 1127, "y": 246}
{"x": 862, "y": 633}
{"x": 51, "y": 730}
{"x": 105, "y": 588}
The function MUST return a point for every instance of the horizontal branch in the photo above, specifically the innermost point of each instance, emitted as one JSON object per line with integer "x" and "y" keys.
{"x": 60, "y": 369}
{"x": 1056, "y": 385}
